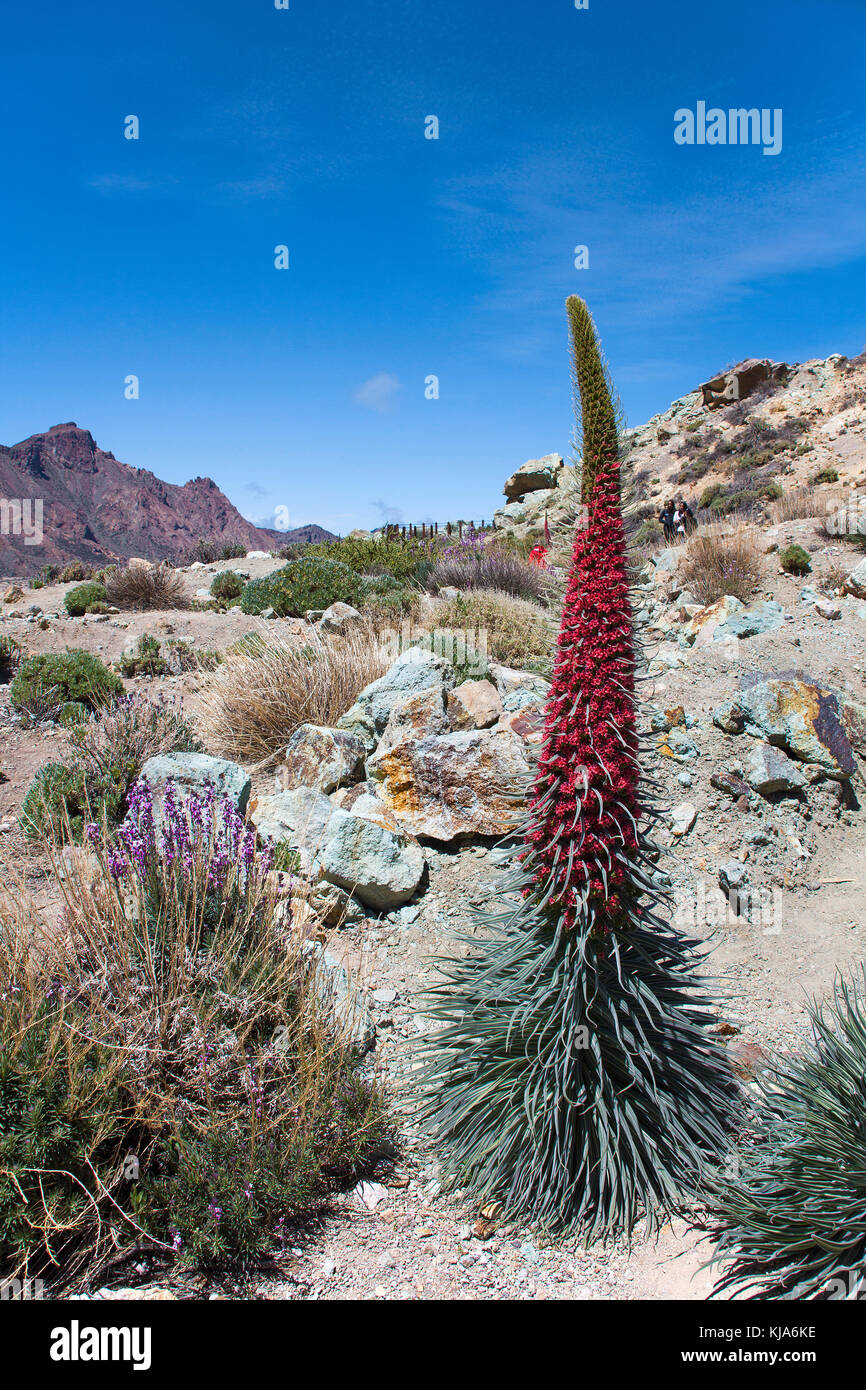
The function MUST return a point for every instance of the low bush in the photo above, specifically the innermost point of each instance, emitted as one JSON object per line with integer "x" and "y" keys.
{"x": 792, "y": 1223}
{"x": 716, "y": 564}
{"x": 475, "y": 564}
{"x": 302, "y": 585}
{"x": 795, "y": 560}
{"x": 144, "y": 659}
{"x": 407, "y": 559}
{"x": 82, "y": 598}
{"x": 76, "y": 572}
{"x": 227, "y": 586}
{"x": 60, "y": 800}
{"x": 44, "y": 683}
{"x": 515, "y": 632}
{"x": 145, "y": 587}
{"x": 178, "y": 1018}
{"x": 10, "y": 656}
{"x": 826, "y": 475}
{"x": 107, "y": 752}
{"x": 266, "y": 687}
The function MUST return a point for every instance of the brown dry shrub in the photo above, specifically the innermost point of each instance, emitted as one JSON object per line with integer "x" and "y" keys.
{"x": 718, "y": 563}
{"x": 248, "y": 708}
{"x": 139, "y": 587}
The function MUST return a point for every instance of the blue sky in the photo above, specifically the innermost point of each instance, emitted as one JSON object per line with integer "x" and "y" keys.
{"x": 409, "y": 257}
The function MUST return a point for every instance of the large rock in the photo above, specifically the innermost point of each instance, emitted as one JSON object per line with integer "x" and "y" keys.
{"x": 532, "y": 476}
{"x": 340, "y": 618}
{"x": 751, "y": 622}
{"x": 341, "y": 998}
{"x": 474, "y": 705}
{"x": 856, "y": 582}
{"x": 323, "y": 758}
{"x": 702, "y": 628}
{"x": 454, "y": 786}
{"x": 740, "y": 381}
{"x": 298, "y": 819}
{"x": 770, "y": 771}
{"x": 508, "y": 680}
{"x": 413, "y": 671}
{"x": 804, "y": 718}
{"x": 365, "y": 850}
{"x": 191, "y": 773}
{"x": 416, "y": 716}
{"x": 377, "y": 862}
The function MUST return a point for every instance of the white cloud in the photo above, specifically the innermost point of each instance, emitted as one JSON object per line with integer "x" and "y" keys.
{"x": 378, "y": 392}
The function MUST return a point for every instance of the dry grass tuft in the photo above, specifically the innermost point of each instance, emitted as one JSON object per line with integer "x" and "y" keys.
{"x": 802, "y": 503}
{"x": 718, "y": 563}
{"x": 248, "y": 708}
{"x": 519, "y": 633}
{"x": 139, "y": 587}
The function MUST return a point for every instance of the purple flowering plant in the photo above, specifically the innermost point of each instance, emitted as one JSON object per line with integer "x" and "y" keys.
{"x": 193, "y": 860}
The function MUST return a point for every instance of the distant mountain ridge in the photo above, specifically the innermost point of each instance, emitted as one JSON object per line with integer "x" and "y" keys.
{"x": 97, "y": 509}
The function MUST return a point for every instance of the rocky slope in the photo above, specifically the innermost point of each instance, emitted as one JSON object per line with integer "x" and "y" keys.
{"x": 96, "y": 508}
{"x": 742, "y": 441}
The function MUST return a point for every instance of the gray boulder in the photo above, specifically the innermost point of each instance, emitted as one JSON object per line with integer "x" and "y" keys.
{"x": 340, "y": 618}
{"x": 375, "y": 860}
{"x": 190, "y": 773}
{"x": 533, "y": 476}
{"x": 770, "y": 772}
{"x": 323, "y": 758}
{"x": 413, "y": 671}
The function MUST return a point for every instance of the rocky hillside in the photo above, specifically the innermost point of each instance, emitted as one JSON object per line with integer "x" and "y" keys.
{"x": 96, "y": 508}
{"x": 741, "y": 442}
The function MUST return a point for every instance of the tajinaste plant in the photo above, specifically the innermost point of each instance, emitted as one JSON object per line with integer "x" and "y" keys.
{"x": 573, "y": 1077}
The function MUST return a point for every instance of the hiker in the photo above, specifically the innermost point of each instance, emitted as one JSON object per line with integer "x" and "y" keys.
{"x": 685, "y": 521}
{"x": 666, "y": 517}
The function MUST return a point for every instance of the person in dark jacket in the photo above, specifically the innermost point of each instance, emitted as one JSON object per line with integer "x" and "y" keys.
{"x": 666, "y": 517}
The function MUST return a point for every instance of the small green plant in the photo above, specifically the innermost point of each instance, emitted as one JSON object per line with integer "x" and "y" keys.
{"x": 44, "y": 683}
{"x": 709, "y": 495}
{"x": 795, "y": 560}
{"x": 826, "y": 475}
{"x": 83, "y": 598}
{"x": 302, "y": 585}
{"x": 227, "y": 586}
{"x": 144, "y": 660}
{"x": 10, "y": 656}
{"x": 59, "y": 796}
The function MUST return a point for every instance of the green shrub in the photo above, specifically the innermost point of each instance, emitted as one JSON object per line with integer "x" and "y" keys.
{"x": 59, "y": 794}
{"x": 145, "y": 660}
{"x": 648, "y": 531}
{"x": 308, "y": 583}
{"x": 407, "y": 559}
{"x": 709, "y": 495}
{"x": 37, "y": 583}
{"x": 227, "y": 586}
{"x": 82, "y": 598}
{"x": 10, "y": 656}
{"x": 46, "y": 682}
{"x": 795, "y": 560}
{"x": 826, "y": 475}
{"x": 174, "y": 1021}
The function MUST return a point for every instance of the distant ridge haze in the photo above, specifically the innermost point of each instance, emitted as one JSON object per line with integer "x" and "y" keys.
{"x": 97, "y": 509}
